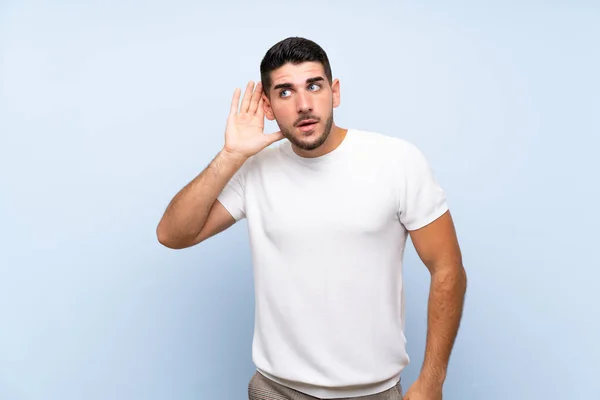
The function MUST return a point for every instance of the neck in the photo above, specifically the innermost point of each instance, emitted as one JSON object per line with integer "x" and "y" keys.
{"x": 335, "y": 138}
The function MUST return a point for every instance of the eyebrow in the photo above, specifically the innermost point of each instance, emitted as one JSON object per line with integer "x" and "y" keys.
{"x": 289, "y": 85}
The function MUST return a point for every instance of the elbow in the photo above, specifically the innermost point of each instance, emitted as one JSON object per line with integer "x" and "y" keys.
{"x": 462, "y": 273}
{"x": 460, "y": 277}
{"x": 163, "y": 236}
{"x": 457, "y": 271}
{"x": 167, "y": 239}
{"x": 451, "y": 274}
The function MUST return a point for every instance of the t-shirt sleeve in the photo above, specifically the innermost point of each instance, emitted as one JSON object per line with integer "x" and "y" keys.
{"x": 421, "y": 198}
{"x": 233, "y": 195}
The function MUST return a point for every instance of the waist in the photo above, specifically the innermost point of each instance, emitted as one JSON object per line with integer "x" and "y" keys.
{"x": 329, "y": 392}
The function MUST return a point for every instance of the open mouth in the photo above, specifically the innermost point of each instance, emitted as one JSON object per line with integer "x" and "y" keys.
{"x": 307, "y": 125}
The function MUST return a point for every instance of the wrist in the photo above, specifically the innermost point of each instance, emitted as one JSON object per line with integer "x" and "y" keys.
{"x": 232, "y": 156}
{"x": 432, "y": 376}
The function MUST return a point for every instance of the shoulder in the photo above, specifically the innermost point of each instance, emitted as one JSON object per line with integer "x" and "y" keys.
{"x": 403, "y": 161}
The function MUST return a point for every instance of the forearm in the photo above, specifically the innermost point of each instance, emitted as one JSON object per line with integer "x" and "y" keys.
{"x": 187, "y": 212}
{"x": 446, "y": 298}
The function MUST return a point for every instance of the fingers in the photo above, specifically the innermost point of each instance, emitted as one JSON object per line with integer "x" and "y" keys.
{"x": 260, "y": 110}
{"x": 256, "y": 97}
{"x": 235, "y": 102}
{"x": 247, "y": 97}
{"x": 251, "y": 102}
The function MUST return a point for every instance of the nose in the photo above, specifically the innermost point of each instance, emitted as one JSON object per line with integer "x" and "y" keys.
{"x": 303, "y": 104}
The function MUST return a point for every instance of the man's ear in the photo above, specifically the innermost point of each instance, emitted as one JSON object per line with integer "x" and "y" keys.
{"x": 267, "y": 108}
{"x": 335, "y": 90}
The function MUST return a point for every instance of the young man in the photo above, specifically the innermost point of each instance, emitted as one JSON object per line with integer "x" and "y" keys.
{"x": 329, "y": 211}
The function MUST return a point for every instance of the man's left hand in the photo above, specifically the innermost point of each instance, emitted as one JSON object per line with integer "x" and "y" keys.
{"x": 421, "y": 390}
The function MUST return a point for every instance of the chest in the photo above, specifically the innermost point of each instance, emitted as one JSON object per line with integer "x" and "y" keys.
{"x": 354, "y": 201}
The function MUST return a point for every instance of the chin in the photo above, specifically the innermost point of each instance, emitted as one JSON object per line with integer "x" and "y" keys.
{"x": 308, "y": 146}
{"x": 308, "y": 140}
{"x": 312, "y": 142}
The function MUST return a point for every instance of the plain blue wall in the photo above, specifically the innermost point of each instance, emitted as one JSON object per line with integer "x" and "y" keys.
{"x": 107, "y": 109}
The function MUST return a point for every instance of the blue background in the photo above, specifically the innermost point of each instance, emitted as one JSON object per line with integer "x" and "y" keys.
{"x": 108, "y": 108}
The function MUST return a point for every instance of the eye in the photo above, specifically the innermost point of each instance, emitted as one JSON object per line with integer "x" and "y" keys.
{"x": 315, "y": 86}
{"x": 282, "y": 93}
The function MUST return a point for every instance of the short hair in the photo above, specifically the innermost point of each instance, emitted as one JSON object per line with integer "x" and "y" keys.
{"x": 293, "y": 50}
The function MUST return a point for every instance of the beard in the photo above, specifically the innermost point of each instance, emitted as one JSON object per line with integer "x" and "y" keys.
{"x": 308, "y": 145}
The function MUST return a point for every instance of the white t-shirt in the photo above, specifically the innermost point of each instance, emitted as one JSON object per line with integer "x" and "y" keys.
{"x": 327, "y": 236}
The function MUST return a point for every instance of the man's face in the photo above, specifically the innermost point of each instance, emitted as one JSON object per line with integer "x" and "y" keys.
{"x": 301, "y": 100}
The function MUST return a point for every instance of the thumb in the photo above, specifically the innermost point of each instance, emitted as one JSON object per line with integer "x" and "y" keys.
{"x": 273, "y": 137}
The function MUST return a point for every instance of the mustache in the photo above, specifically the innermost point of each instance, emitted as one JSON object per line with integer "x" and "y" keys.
{"x": 306, "y": 117}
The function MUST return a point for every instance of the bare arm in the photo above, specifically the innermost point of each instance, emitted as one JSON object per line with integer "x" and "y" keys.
{"x": 186, "y": 220}
{"x": 437, "y": 246}
{"x": 194, "y": 214}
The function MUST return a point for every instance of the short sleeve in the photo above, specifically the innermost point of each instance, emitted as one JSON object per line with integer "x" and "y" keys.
{"x": 232, "y": 197}
{"x": 421, "y": 199}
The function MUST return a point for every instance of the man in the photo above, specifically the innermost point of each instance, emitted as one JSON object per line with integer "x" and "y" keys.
{"x": 329, "y": 211}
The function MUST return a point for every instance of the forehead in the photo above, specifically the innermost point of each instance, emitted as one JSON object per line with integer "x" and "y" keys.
{"x": 297, "y": 74}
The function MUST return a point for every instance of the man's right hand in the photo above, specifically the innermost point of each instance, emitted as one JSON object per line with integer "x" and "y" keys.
{"x": 244, "y": 133}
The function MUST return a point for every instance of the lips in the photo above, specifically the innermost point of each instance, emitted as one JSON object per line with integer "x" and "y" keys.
{"x": 307, "y": 121}
{"x": 307, "y": 125}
